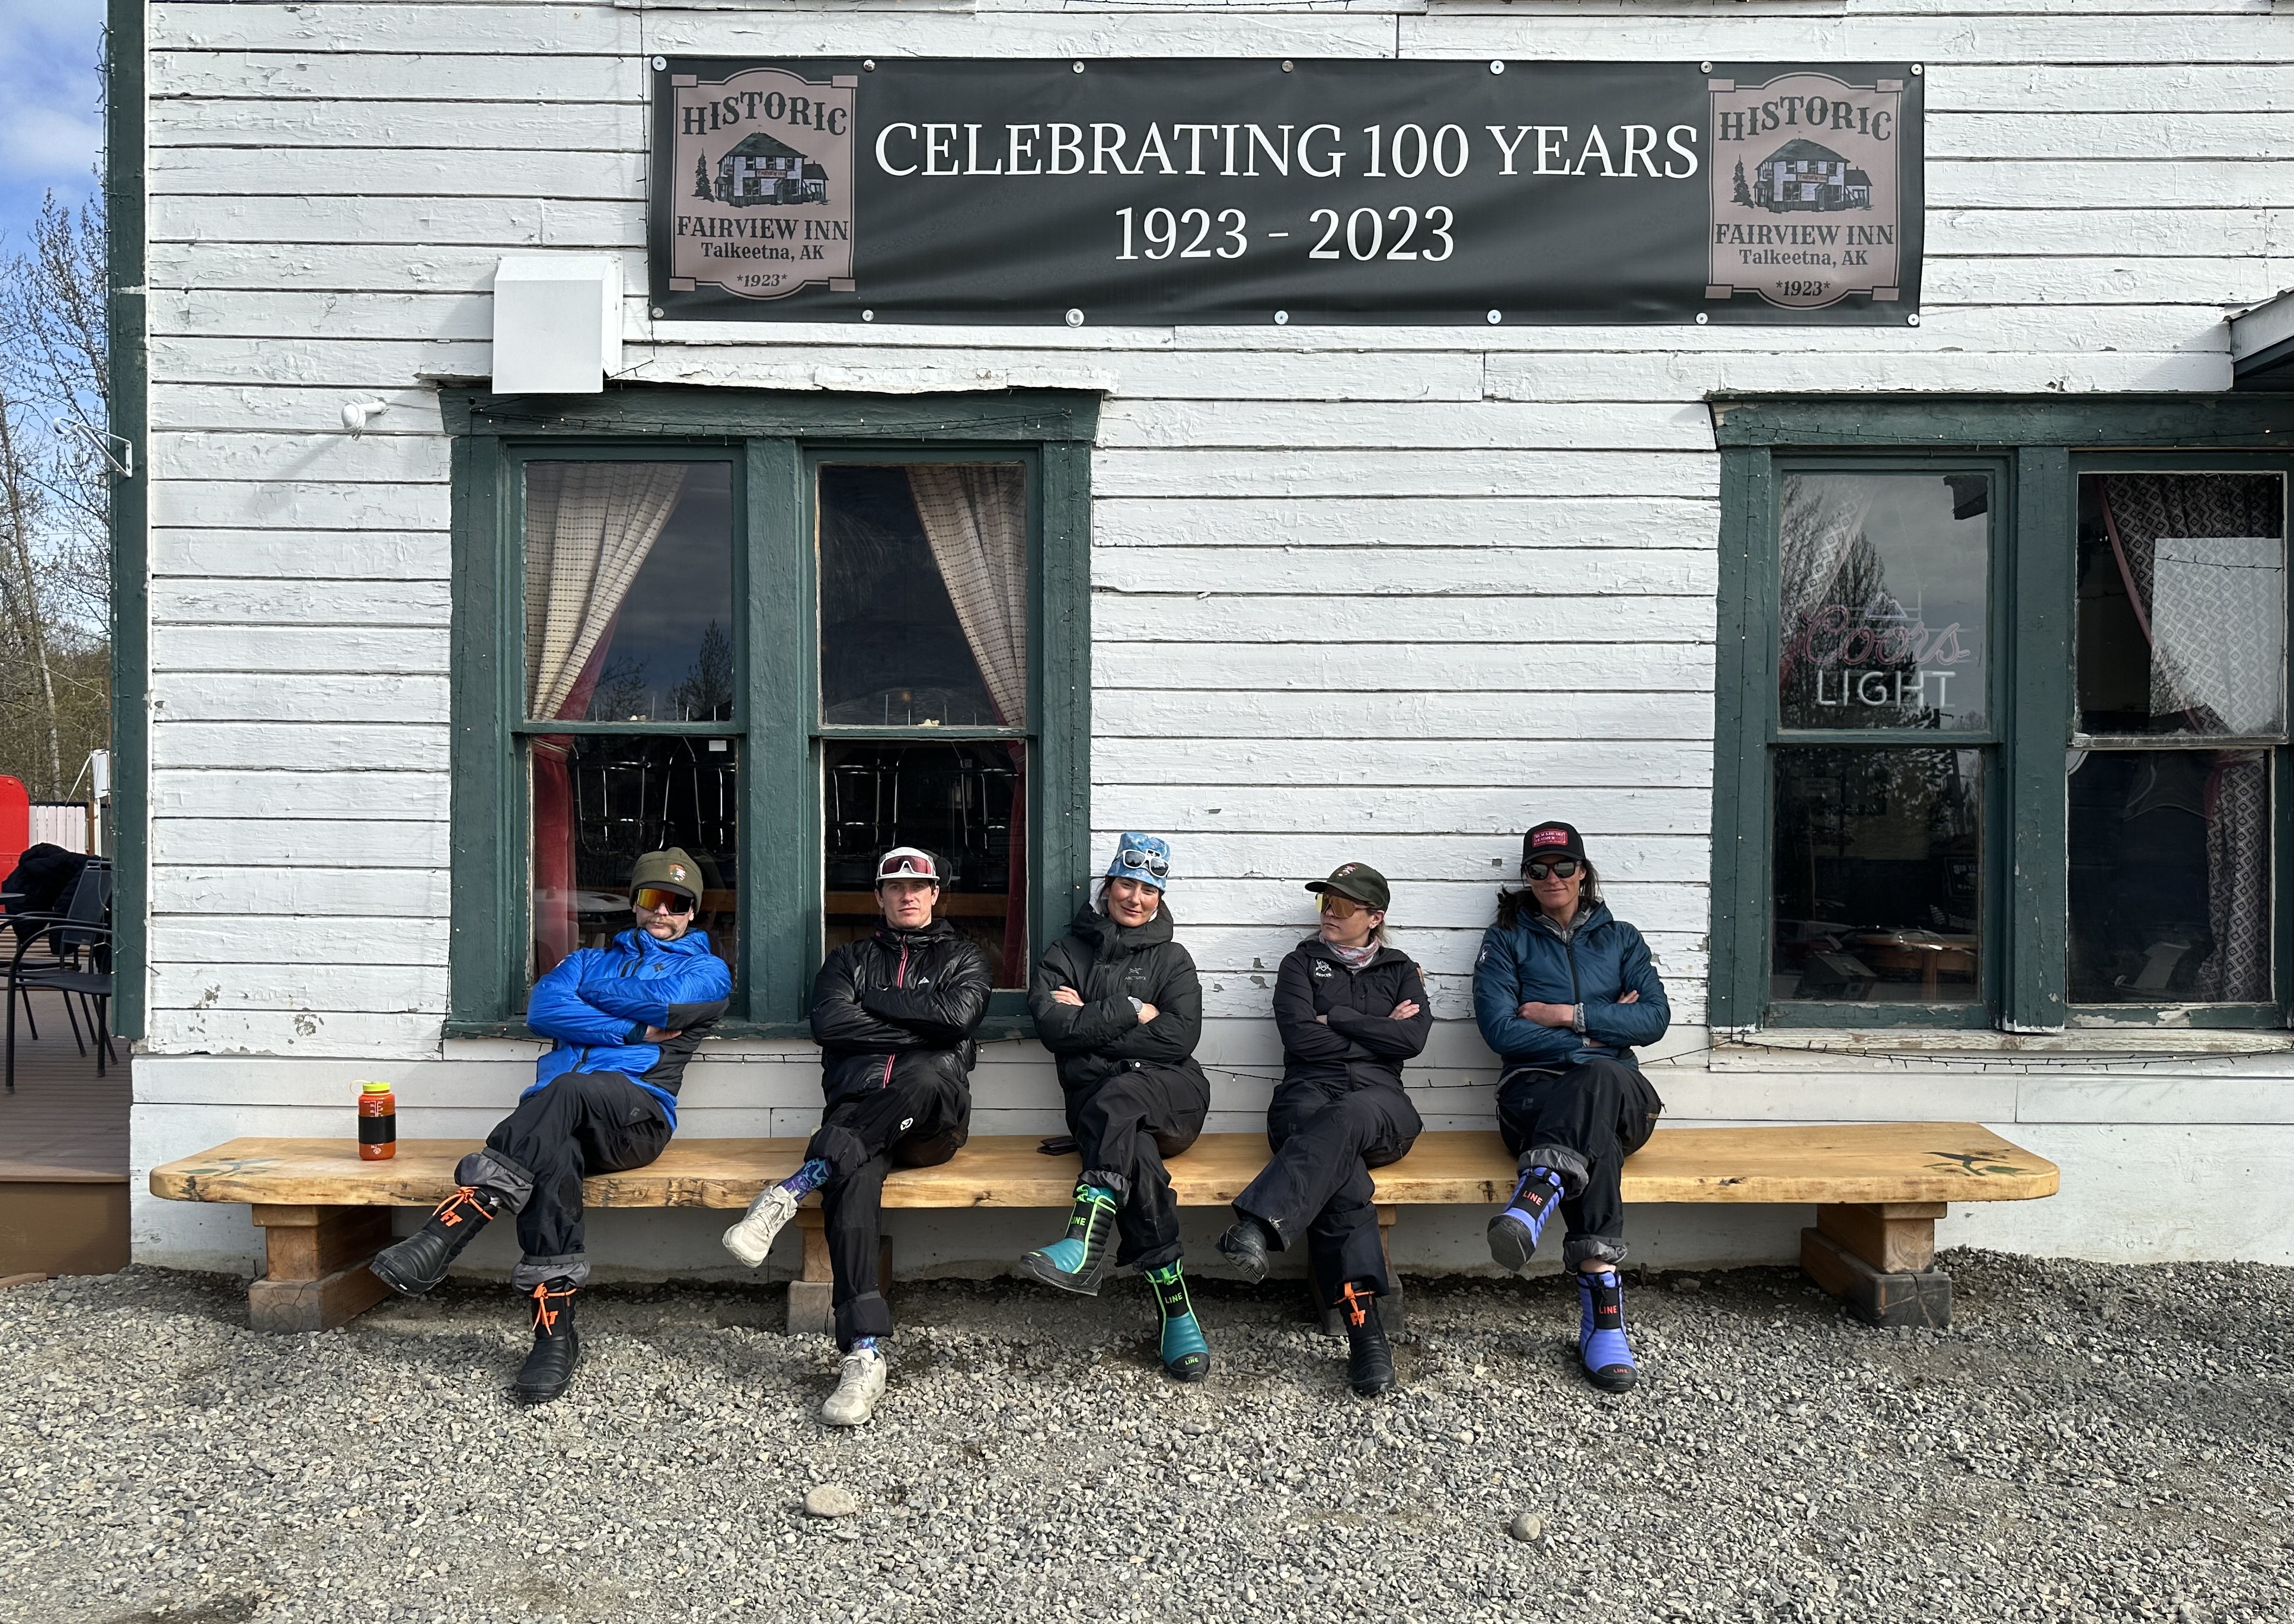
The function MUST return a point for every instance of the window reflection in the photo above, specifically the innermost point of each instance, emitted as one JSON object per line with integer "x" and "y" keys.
{"x": 629, "y": 591}
{"x": 964, "y": 801}
{"x": 2170, "y": 876}
{"x": 2181, "y": 604}
{"x": 924, "y": 595}
{"x": 1884, "y": 582}
{"x": 599, "y": 803}
{"x": 1878, "y": 875}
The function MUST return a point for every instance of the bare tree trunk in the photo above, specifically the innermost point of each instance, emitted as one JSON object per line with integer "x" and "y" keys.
{"x": 32, "y": 625}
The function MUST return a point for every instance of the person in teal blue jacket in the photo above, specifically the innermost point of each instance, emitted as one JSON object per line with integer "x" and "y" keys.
{"x": 623, "y": 1020}
{"x": 1563, "y": 992}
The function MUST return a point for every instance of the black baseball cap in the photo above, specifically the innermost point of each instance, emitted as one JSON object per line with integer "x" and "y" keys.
{"x": 1555, "y": 840}
{"x": 1358, "y": 881}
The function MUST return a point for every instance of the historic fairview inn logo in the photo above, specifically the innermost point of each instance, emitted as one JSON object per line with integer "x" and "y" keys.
{"x": 769, "y": 210}
{"x": 1804, "y": 146}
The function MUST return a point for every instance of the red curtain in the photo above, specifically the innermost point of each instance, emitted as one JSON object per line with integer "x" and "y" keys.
{"x": 557, "y": 920}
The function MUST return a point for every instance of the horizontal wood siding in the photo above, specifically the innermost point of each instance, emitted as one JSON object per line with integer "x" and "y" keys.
{"x": 1388, "y": 594}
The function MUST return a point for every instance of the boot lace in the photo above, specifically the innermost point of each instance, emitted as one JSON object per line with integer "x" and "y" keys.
{"x": 545, "y": 1317}
{"x": 450, "y": 1212}
{"x": 1356, "y": 1302}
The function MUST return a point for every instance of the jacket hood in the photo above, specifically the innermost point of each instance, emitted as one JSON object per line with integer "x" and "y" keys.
{"x": 1104, "y": 936}
{"x": 1316, "y": 948}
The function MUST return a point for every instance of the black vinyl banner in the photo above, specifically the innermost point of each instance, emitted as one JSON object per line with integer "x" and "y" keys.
{"x": 1160, "y": 193}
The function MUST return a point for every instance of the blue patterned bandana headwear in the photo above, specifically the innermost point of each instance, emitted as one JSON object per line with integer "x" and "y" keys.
{"x": 1137, "y": 857}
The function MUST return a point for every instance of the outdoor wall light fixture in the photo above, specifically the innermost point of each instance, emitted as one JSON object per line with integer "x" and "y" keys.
{"x": 357, "y": 414}
{"x": 123, "y": 465}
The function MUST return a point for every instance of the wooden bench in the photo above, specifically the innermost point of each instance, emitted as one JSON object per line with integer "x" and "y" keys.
{"x": 1878, "y": 1189}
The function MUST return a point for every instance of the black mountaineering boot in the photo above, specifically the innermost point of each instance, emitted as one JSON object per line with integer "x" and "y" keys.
{"x": 1370, "y": 1358}
{"x": 1245, "y": 1246}
{"x": 1076, "y": 1261}
{"x": 557, "y": 1345}
{"x": 420, "y": 1262}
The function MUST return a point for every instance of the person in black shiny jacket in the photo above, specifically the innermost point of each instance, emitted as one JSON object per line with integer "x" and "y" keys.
{"x": 893, "y": 1014}
{"x": 1117, "y": 1002}
{"x": 1350, "y": 1009}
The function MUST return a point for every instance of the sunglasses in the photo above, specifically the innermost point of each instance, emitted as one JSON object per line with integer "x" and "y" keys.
{"x": 661, "y": 901}
{"x": 1337, "y": 906}
{"x": 1131, "y": 856}
{"x": 1560, "y": 868}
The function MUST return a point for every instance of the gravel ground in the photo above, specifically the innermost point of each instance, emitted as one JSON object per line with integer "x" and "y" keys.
{"x": 2088, "y": 1442}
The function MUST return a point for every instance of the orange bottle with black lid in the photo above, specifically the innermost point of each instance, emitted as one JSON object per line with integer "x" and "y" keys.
{"x": 378, "y": 1113}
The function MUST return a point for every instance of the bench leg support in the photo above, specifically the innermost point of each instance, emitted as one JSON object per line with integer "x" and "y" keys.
{"x": 812, "y": 1308}
{"x": 1880, "y": 1260}
{"x": 315, "y": 1270}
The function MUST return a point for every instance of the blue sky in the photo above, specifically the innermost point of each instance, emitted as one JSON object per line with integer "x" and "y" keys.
{"x": 51, "y": 125}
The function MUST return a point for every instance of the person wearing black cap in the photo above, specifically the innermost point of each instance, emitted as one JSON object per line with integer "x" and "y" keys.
{"x": 1350, "y": 1011}
{"x": 893, "y": 1014}
{"x": 623, "y": 1020}
{"x": 1117, "y": 1000}
{"x": 1562, "y": 991}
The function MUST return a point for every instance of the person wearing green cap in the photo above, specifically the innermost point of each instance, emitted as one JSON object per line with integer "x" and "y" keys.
{"x": 1350, "y": 1009}
{"x": 1118, "y": 1003}
{"x": 623, "y": 1020}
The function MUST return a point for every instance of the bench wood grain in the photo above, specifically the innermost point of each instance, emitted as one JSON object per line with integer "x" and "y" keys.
{"x": 1879, "y": 1188}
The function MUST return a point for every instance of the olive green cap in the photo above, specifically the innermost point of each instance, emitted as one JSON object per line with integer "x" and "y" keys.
{"x": 670, "y": 869}
{"x": 1358, "y": 881}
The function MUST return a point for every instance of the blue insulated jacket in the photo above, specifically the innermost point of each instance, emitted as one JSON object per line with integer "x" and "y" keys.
{"x": 1600, "y": 962}
{"x": 597, "y": 1002}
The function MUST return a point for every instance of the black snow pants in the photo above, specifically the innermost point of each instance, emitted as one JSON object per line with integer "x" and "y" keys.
{"x": 919, "y": 1120}
{"x": 1126, "y": 1125}
{"x": 1326, "y": 1139}
{"x": 577, "y": 1123}
{"x": 1582, "y": 1123}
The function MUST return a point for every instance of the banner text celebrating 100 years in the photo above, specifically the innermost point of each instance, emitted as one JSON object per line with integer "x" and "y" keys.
{"x": 1351, "y": 191}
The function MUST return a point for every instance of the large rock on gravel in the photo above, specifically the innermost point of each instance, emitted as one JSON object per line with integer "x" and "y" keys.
{"x": 831, "y": 1500}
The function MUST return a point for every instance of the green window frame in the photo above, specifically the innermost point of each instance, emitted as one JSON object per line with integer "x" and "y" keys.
{"x": 775, "y": 443}
{"x": 2035, "y": 447}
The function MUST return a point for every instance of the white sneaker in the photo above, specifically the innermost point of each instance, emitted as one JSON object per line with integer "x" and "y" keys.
{"x": 768, "y": 1215}
{"x": 859, "y": 1384}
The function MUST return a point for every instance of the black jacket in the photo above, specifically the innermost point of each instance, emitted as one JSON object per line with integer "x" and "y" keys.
{"x": 895, "y": 1003}
{"x": 1361, "y": 1045}
{"x": 1109, "y": 965}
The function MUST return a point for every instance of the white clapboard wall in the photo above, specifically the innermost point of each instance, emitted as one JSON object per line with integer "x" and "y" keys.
{"x": 1388, "y": 594}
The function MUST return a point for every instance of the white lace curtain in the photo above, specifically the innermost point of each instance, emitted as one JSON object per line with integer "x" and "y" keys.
{"x": 588, "y": 527}
{"x": 975, "y": 516}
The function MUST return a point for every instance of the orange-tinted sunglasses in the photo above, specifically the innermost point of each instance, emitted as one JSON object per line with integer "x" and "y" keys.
{"x": 661, "y": 901}
{"x": 1337, "y": 906}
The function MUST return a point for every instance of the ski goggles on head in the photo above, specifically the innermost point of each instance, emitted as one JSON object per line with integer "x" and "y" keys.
{"x": 1150, "y": 862}
{"x": 661, "y": 901}
{"x": 1555, "y": 868}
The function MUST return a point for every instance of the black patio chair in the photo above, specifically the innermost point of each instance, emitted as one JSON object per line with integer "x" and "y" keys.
{"x": 69, "y": 953}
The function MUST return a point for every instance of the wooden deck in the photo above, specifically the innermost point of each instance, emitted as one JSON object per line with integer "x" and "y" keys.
{"x": 63, "y": 1124}
{"x": 64, "y": 1155}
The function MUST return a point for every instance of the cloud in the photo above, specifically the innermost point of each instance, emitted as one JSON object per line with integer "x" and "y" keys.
{"x": 50, "y": 130}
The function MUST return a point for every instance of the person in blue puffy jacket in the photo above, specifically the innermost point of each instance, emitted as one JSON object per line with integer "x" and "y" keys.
{"x": 1563, "y": 990}
{"x": 623, "y": 1020}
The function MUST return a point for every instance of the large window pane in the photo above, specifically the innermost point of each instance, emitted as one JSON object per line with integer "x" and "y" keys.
{"x": 1878, "y": 875}
{"x": 2170, "y": 876}
{"x": 599, "y": 803}
{"x": 1884, "y": 585}
{"x": 963, "y": 801}
{"x": 924, "y": 595}
{"x": 629, "y": 591}
{"x": 2181, "y": 604}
